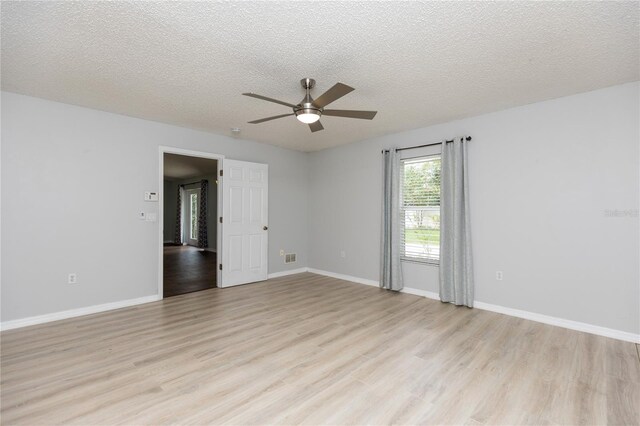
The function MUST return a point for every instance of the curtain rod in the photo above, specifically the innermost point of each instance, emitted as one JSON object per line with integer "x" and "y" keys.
{"x": 468, "y": 138}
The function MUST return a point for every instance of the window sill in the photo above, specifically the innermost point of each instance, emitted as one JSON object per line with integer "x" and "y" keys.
{"x": 420, "y": 262}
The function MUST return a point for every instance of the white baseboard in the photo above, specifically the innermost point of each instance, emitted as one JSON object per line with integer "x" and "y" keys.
{"x": 56, "y": 316}
{"x": 561, "y": 322}
{"x": 285, "y": 273}
{"x": 419, "y": 292}
{"x": 344, "y": 277}
{"x": 373, "y": 283}
{"x": 532, "y": 316}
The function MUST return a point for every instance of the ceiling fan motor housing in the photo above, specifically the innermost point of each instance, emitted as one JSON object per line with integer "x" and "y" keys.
{"x": 307, "y": 108}
{"x": 306, "y": 105}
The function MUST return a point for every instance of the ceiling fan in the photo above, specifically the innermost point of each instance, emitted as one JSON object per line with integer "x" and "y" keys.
{"x": 309, "y": 110}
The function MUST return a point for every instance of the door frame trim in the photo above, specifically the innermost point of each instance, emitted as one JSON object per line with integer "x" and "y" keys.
{"x": 189, "y": 153}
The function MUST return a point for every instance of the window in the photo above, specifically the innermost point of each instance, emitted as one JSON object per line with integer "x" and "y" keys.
{"x": 193, "y": 229}
{"x": 420, "y": 209}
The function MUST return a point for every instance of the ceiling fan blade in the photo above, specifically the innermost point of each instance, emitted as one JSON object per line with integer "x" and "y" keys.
{"x": 365, "y": 115}
{"x": 336, "y": 92}
{"x": 262, "y": 120}
{"x": 264, "y": 98}
{"x": 316, "y": 126}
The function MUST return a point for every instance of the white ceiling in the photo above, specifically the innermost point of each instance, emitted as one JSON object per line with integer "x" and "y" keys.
{"x": 416, "y": 63}
{"x": 186, "y": 167}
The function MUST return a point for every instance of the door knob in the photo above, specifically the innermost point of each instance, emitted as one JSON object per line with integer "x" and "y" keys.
{"x": 264, "y": 228}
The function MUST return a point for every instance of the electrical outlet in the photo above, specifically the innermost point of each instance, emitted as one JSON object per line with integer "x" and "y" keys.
{"x": 499, "y": 275}
{"x": 281, "y": 252}
{"x": 73, "y": 278}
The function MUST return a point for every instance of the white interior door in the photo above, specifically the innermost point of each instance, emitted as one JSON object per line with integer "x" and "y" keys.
{"x": 244, "y": 222}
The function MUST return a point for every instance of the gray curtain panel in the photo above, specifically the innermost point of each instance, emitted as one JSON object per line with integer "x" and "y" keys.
{"x": 456, "y": 263}
{"x": 203, "y": 239}
{"x": 178, "y": 233}
{"x": 390, "y": 270}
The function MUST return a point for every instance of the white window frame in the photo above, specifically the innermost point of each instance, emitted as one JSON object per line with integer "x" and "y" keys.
{"x": 403, "y": 256}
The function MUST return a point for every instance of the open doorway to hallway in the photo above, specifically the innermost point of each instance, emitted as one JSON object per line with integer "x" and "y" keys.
{"x": 190, "y": 214}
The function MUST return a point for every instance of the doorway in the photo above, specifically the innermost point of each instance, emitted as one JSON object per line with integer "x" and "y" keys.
{"x": 190, "y": 223}
{"x": 240, "y": 245}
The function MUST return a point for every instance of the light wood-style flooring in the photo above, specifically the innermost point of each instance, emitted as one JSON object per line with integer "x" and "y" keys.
{"x": 306, "y": 349}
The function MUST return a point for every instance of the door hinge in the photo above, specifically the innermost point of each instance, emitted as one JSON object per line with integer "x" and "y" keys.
{"x": 220, "y": 219}
{"x": 221, "y": 172}
{"x": 221, "y": 266}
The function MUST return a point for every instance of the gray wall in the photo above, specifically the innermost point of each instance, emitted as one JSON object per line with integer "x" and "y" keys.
{"x": 542, "y": 177}
{"x": 170, "y": 208}
{"x": 63, "y": 211}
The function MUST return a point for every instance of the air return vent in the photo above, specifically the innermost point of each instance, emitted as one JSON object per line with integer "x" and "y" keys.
{"x": 289, "y": 258}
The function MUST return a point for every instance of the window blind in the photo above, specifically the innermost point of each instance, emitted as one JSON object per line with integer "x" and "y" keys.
{"x": 420, "y": 205}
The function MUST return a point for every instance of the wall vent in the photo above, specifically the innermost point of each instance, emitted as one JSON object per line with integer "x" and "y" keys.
{"x": 289, "y": 258}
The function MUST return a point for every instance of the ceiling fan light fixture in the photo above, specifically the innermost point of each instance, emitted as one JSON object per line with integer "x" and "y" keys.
{"x": 308, "y": 117}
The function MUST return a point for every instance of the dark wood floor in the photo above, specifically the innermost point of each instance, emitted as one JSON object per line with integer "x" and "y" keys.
{"x": 187, "y": 269}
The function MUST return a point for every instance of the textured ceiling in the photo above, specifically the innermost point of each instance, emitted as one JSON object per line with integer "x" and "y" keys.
{"x": 186, "y": 167}
{"x": 416, "y": 63}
